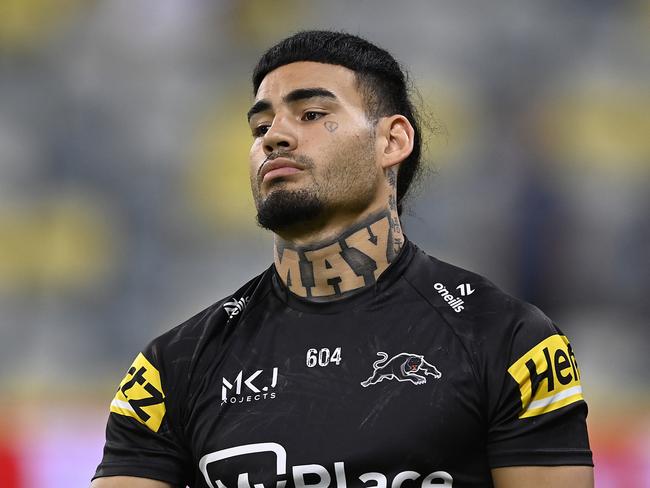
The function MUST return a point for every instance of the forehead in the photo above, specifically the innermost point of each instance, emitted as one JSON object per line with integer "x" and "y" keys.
{"x": 308, "y": 74}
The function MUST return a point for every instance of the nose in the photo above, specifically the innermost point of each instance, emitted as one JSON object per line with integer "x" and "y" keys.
{"x": 280, "y": 136}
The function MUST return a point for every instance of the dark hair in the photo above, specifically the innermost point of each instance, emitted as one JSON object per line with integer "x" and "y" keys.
{"x": 381, "y": 80}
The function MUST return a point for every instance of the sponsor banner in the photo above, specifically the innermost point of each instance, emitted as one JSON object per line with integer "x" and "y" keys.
{"x": 140, "y": 394}
{"x": 304, "y": 476}
{"x": 252, "y": 388}
{"x": 548, "y": 377}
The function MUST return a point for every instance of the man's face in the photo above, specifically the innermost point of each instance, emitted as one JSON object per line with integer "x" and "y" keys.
{"x": 313, "y": 153}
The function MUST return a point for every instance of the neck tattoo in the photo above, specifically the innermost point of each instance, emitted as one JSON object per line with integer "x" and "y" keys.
{"x": 337, "y": 267}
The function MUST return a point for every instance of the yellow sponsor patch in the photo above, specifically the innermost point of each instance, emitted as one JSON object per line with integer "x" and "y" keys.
{"x": 548, "y": 377}
{"x": 140, "y": 394}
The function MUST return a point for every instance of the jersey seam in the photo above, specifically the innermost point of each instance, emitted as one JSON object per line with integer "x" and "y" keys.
{"x": 176, "y": 415}
{"x": 541, "y": 457}
{"x": 202, "y": 339}
{"x": 131, "y": 465}
{"x": 551, "y": 450}
{"x": 451, "y": 328}
{"x": 258, "y": 300}
{"x": 155, "y": 472}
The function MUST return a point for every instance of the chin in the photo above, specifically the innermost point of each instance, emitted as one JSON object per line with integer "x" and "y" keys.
{"x": 283, "y": 209}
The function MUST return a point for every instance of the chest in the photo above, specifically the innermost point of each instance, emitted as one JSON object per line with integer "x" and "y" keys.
{"x": 378, "y": 397}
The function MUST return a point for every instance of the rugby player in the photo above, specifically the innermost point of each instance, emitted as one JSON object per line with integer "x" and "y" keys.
{"x": 355, "y": 359}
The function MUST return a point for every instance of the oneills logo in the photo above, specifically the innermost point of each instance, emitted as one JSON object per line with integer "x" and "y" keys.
{"x": 140, "y": 394}
{"x": 452, "y": 301}
{"x": 548, "y": 377}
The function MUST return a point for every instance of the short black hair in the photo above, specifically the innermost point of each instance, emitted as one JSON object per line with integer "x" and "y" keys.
{"x": 383, "y": 83}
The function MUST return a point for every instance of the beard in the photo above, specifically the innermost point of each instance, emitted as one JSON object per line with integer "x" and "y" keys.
{"x": 342, "y": 187}
{"x": 284, "y": 209}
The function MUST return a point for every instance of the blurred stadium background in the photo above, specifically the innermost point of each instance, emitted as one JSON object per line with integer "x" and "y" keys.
{"x": 125, "y": 208}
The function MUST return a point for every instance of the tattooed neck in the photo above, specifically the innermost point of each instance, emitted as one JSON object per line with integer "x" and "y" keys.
{"x": 337, "y": 267}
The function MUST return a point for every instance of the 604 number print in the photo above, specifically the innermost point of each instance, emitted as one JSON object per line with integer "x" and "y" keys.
{"x": 323, "y": 357}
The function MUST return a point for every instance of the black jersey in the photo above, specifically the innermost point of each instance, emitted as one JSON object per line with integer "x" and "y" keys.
{"x": 431, "y": 377}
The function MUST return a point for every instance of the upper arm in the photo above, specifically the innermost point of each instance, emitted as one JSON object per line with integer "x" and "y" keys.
{"x": 543, "y": 477}
{"x": 128, "y": 482}
{"x": 141, "y": 442}
{"x": 537, "y": 414}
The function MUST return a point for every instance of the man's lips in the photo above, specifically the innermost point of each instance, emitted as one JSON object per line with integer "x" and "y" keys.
{"x": 279, "y": 167}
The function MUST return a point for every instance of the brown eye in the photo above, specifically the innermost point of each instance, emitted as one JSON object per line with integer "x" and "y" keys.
{"x": 311, "y": 115}
{"x": 260, "y": 130}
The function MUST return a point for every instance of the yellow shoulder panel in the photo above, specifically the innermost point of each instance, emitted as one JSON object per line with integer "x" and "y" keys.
{"x": 140, "y": 394}
{"x": 548, "y": 377}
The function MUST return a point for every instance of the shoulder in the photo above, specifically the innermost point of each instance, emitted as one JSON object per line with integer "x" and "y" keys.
{"x": 525, "y": 367}
{"x": 179, "y": 352}
{"x": 505, "y": 336}
{"x": 495, "y": 328}
{"x": 469, "y": 302}
{"x": 509, "y": 341}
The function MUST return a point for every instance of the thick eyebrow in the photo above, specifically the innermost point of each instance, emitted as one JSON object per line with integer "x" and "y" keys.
{"x": 294, "y": 96}
{"x": 259, "y": 106}
{"x": 305, "y": 93}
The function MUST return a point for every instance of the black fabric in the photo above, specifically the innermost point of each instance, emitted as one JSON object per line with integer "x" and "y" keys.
{"x": 373, "y": 411}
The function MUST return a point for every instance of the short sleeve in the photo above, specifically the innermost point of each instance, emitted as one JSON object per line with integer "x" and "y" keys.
{"x": 537, "y": 412}
{"x": 140, "y": 439}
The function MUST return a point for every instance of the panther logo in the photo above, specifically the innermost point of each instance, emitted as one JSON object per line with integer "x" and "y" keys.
{"x": 402, "y": 367}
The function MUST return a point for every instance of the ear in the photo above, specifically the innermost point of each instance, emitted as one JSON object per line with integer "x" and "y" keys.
{"x": 395, "y": 136}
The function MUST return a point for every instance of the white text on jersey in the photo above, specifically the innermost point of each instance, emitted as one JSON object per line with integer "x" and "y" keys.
{"x": 328, "y": 478}
{"x": 253, "y": 391}
{"x": 455, "y": 303}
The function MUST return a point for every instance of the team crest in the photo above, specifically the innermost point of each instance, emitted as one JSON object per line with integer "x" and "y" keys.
{"x": 402, "y": 367}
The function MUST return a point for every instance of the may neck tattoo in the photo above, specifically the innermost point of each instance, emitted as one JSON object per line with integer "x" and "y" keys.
{"x": 335, "y": 268}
